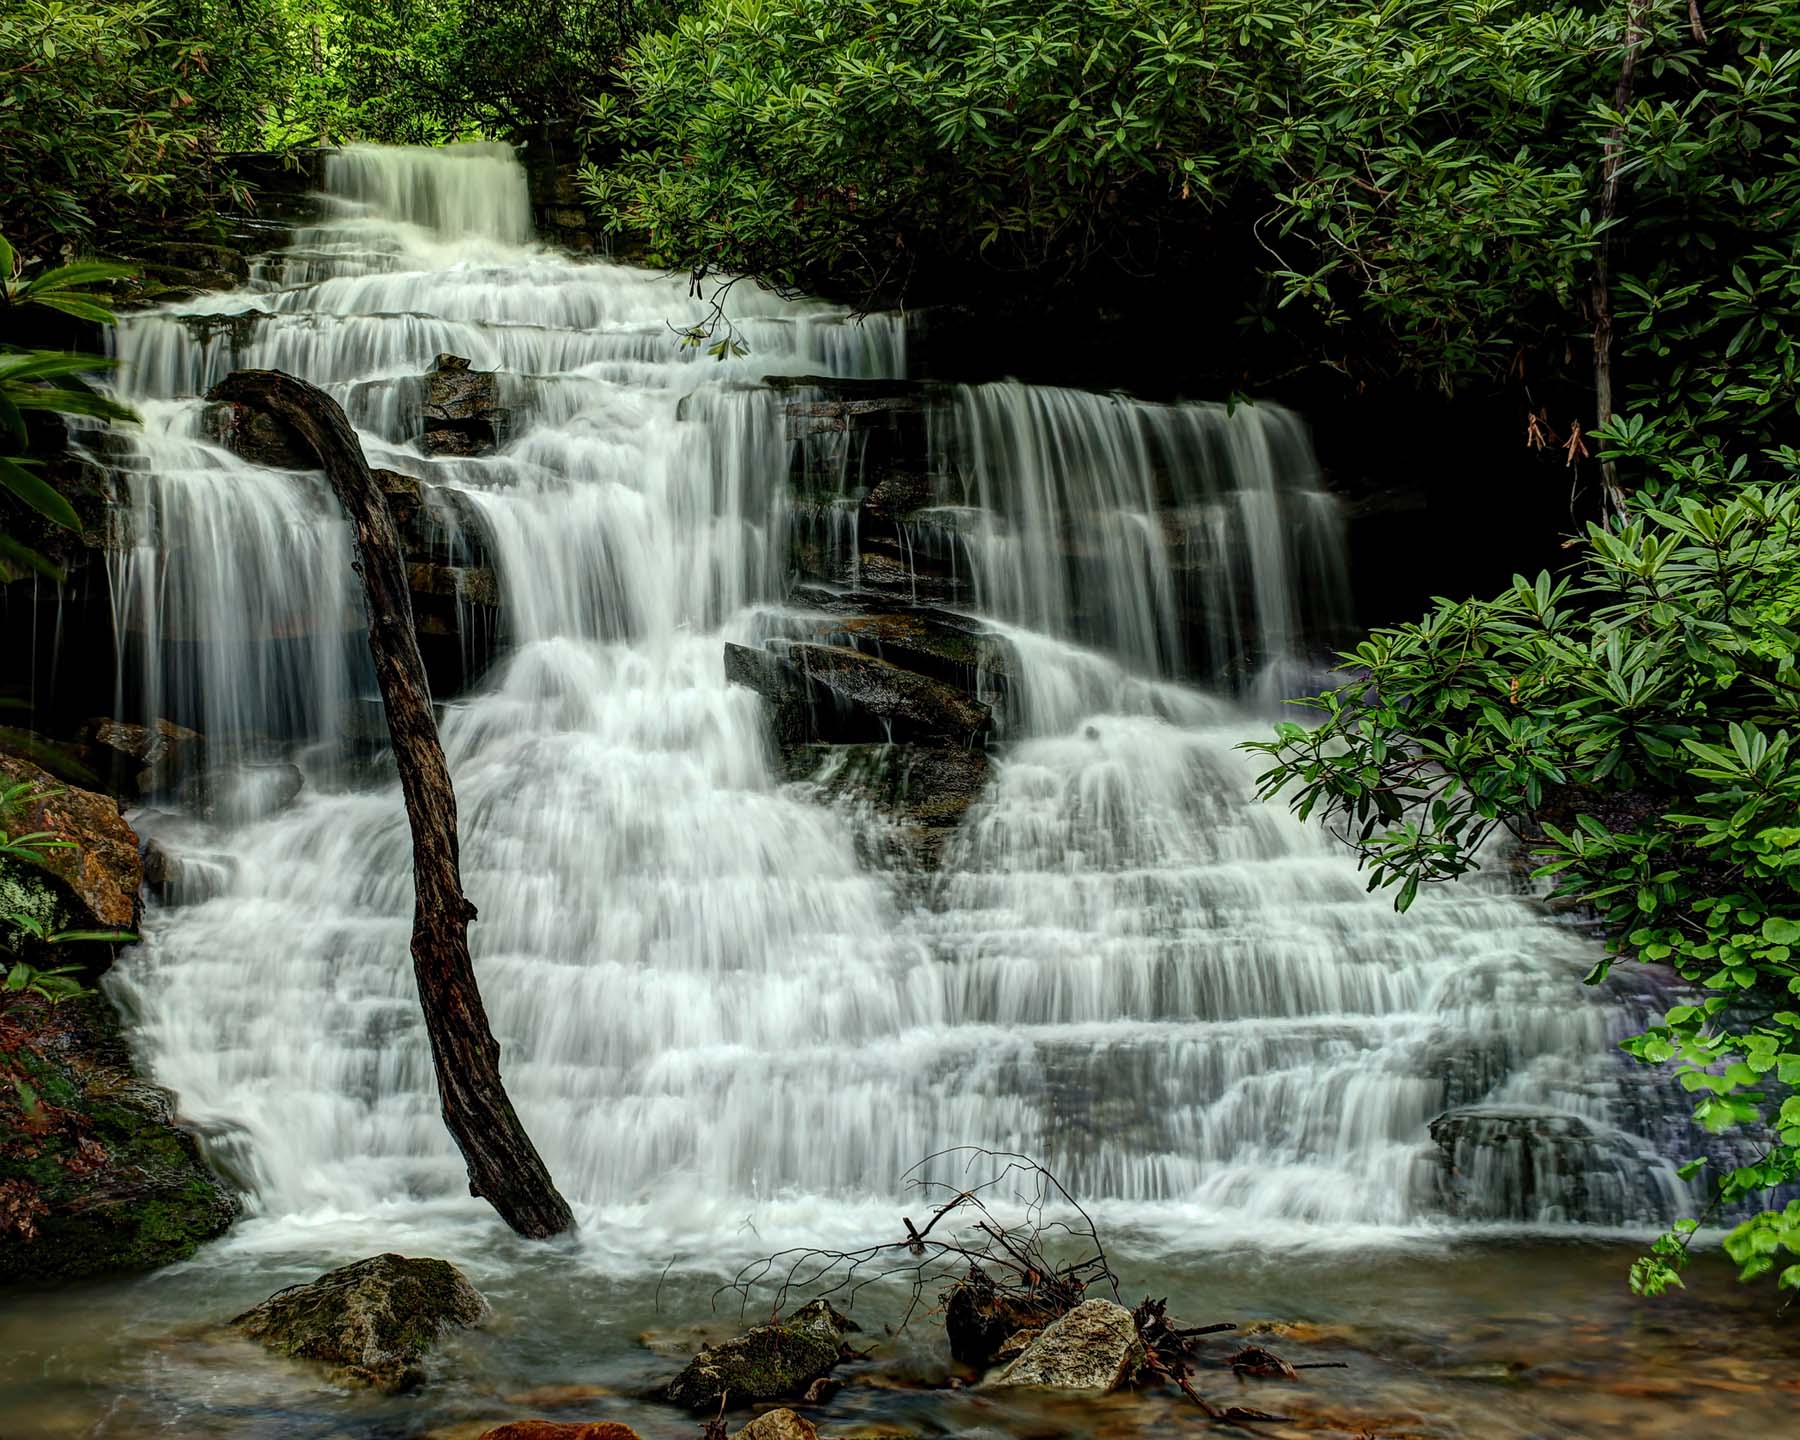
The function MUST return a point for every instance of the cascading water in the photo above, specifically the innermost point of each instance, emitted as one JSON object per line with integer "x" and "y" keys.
{"x": 1181, "y": 998}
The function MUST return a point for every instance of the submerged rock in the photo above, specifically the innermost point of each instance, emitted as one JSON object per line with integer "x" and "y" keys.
{"x": 240, "y": 793}
{"x": 560, "y": 1430}
{"x": 374, "y": 1320}
{"x": 766, "y": 1362}
{"x": 1541, "y": 1166}
{"x": 1094, "y": 1347}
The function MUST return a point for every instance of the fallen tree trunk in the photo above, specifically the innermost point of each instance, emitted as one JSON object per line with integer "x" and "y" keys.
{"x": 504, "y": 1167}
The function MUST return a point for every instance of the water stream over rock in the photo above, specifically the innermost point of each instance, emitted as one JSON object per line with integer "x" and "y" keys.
{"x": 724, "y": 1026}
{"x": 1125, "y": 965}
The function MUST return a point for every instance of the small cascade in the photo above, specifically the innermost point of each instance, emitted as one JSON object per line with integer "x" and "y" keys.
{"x": 1150, "y": 532}
{"x": 715, "y": 999}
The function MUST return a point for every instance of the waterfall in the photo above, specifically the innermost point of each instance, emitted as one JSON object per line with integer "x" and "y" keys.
{"x": 710, "y": 1006}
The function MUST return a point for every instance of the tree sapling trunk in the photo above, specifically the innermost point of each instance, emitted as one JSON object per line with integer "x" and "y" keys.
{"x": 504, "y": 1167}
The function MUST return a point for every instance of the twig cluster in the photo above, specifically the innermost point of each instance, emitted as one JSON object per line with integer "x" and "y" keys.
{"x": 1013, "y": 1266}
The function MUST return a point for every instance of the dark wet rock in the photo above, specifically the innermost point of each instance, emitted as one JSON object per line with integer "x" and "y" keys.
{"x": 1501, "y": 1163}
{"x": 979, "y": 1317}
{"x": 463, "y": 414}
{"x": 920, "y": 792}
{"x": 560, "y": 1430}
{"x": 256, "y": 436}
{"x": 840, "y": 695}
{"x": 1094, "y": 1347}
{"x": 184, "y": 879}
{"x": 405, "y": 496}
{"x": 779, "y": 1425}
{"x": 137, "y": 761}
{"x": 766, "y": 1362}
{"x": 373, "y": 1321}
{"x": 97, "y": 863}
{"x": 958, "y": 651}
{"x": 95, "y": 1176}
{"x": 240, "y": 793}
{"x": 821, "y": 1390}
{"x": 474, "y": 585}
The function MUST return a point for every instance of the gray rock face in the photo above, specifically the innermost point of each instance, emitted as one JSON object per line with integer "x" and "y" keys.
{"x": 842, "y": 696}
{"x": 766, "y": 1362}
{"x": 373, "y": 1321}
{"x": 1535, "y": 1166}
{"x": 463, "y": 415}
{"x": 1094, "y": 1347}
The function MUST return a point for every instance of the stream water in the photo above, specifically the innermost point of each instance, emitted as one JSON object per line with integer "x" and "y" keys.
{"x": 725, "y": 1029}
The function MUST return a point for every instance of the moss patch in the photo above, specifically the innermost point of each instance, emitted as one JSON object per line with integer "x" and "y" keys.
{"x": 766, "y": 1362}
{"x": 373, "y": 1320}
{"x": 94, "y": 1175}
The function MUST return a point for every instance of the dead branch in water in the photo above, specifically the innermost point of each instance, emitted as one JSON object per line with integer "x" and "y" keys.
{"x": 964, "y": 1243}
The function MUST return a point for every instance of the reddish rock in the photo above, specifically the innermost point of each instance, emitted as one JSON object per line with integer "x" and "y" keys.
{"x": 100, "y": 866}
{"x": 561, "y": 1430}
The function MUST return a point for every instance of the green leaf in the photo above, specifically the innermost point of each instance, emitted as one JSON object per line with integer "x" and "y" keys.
{"x": 35, "y": 493}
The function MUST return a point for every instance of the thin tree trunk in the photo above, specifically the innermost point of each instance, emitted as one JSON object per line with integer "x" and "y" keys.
{"x": 504, "y": 1166}
{"x": 1613, "y": 495}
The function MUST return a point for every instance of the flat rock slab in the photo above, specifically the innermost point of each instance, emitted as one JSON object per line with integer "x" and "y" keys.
{"x": 1094, "y": 1347}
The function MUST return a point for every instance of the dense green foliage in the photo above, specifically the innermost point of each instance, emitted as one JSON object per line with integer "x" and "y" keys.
{"x": 45, "y": 382}
{"x": 1413, "y": 186}
{"x": 110, "y": 114}
{"x": 116, "y": 115}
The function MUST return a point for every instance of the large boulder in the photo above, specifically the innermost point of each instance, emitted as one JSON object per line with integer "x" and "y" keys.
{"x": 1094, "y": 1347}
{"x": 95, "y": 1177}
{"x": 463, "y": 415}
{"x": 839, "y": 695}
{"x": 372, "y": 1321}
{"x": 96, "y": 856}
{"x": 766, "y": 1362}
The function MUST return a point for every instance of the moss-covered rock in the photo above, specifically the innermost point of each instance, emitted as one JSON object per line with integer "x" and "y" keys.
{"x": 766, "y": 1362}
{"x": 99, "y": 863}
{"x": 373, "y": 1321}
{"x": 95, "y": 1176}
